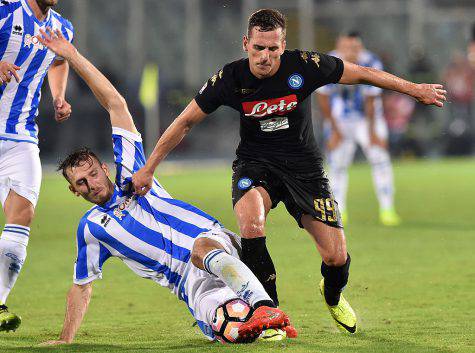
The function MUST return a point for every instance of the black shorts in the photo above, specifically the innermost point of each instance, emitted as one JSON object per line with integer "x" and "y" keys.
{"x": 302, "y": 193}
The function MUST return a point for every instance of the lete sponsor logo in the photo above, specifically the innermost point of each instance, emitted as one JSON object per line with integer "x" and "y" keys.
{"x": 274, "y": 106}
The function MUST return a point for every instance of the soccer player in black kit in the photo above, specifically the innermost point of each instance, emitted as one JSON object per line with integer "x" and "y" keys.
{"x": 277, "y": 158}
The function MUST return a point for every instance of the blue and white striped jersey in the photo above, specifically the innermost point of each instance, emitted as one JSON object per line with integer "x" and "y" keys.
{"x": 18, "y": 45}
{"x": 153, "y": 235}
{"x": 347, "y": 101}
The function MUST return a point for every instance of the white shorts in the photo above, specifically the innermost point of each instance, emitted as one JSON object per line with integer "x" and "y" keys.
{"x": 355, "y": 132}
{"x": 205, "y": 292}
{"x": 20, "y": 170}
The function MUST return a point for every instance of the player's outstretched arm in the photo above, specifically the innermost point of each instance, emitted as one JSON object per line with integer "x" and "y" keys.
{"x": 143, "y": 179}
{"x": 429, "y": 94}
{"x": 102, "y": 88}
{"x": 58, "y": 79}
{"x": 78, "y": 300}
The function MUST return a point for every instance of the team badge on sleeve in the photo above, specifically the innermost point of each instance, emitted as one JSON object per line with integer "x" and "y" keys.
{"x": 295, "y": 81}
{"x": 244, "y": 183}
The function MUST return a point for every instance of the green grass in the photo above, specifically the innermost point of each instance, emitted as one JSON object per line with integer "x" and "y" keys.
{"x": 413, "y": 287}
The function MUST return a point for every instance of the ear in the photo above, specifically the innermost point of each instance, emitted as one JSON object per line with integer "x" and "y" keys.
{"x": 245, "y": 42}
{"x": 284, "y": 45}
{"x": 73, "y": 191}
{"x": 105, "y": 168}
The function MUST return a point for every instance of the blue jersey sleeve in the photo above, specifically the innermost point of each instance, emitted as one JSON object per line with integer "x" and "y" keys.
{"x": 6, "y": 9}
{"x": 66, "y": 28}
{"x": 91, "y": 255}
{"x": 129, "y": 156}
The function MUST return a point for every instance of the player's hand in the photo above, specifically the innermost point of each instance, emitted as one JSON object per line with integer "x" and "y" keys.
{"x": 374, "y": 140}
{"x": 62, "y": 110}
{"x": 334, "y": 140}
{"x": 56, "y": 42}
{"x": 7, "y": 71}
{"x": 430, "y": 94}
{"x": 142, "y": 181}
{"x": 52, "y": 343}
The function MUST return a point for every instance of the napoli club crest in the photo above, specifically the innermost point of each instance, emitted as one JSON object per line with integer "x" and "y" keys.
{"x": 244, "y": 183}
{"x": 295, "y": 81}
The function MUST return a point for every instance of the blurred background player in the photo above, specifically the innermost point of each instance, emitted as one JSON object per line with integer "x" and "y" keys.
{"x": 24, "y": 62}
{"x": 354, "y": 115}
{"x": 159, "y": 238}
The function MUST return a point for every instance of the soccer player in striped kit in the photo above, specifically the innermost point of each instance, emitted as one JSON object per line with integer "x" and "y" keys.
{"x": 354, "y": 114}
{"x": 24, "y": 63}
{"x": 160, "y": 238}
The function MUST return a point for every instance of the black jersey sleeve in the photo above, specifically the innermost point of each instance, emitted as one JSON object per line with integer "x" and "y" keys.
{"x": 214, "y": 92}
{"x": 321, "y": 69}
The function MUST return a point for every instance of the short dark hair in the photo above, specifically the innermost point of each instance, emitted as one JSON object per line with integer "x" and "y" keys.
{"x": 75, "y": 158}
{"x": 267, "y": 20}
{"x": 353, "y": 34}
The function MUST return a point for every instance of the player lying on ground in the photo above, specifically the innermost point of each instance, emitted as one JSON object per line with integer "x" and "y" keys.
{"x": 278, "y": 158}
{"x": 159, "y": 238}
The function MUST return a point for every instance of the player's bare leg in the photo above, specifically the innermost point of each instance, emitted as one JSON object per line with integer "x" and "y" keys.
{"x": 251, "y": 212}
{"x": 209, "y": 255}
{"x": 340, "y": 159}
{"x": 331, "y": 244}
{"x": 19, "y": 213}
{"x": 383, "y": 181}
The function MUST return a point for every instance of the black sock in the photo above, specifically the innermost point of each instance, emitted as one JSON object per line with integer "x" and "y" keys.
{"x": 256, "y": 257}
{"x": 264, "y": 303}
{"x": 336, "y": 279}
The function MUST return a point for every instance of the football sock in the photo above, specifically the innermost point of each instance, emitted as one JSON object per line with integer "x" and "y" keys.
{"x": 236, "y": 275}
{"x": 336, "y": 279}
{"x": 13, "y": 242}
{"x": 264, "y": 303}
{"x": 257, "y": 258}
{"x": 382, "y": 177}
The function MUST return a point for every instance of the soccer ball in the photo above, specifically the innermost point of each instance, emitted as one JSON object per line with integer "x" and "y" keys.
{"x": 228, "y": 318}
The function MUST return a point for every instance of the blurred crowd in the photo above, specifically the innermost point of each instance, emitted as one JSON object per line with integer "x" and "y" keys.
{"x": 414, "y": 130}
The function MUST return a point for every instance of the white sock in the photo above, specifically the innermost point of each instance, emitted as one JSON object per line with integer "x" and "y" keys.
{"x": 382, "y": 176}
{"x": 13, "y": 242}
{"x": 236, "y": 275}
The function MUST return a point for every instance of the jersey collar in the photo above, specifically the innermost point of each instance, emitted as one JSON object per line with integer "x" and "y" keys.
{"x": 29, "y": 11}
{"x": 114, "y": 199}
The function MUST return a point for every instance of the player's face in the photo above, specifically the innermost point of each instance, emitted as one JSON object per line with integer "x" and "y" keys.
{"x": 90, "y": 179}
{"x": 264, "y": 50}
{"x": 349, "y": 48}
{"x": 46, "y": 3}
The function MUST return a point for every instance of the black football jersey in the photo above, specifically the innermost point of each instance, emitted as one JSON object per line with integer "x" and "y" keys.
{"x": 276, "y": 119}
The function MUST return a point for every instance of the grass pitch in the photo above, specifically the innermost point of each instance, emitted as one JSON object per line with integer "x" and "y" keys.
{"x": 413, "y": 287}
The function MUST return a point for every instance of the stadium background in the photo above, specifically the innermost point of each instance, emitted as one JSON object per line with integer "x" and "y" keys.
{"x": 412, "y": 286}
{"x": 191, "y": 40}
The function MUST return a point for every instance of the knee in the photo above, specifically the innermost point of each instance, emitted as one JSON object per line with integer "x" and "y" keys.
{"x": 197, "y": 260}
{"x": 201, "y": 248}
{"x": 335, "y": 258}
{"x": 252, "y": 228}
{"x": 197, "y": 253}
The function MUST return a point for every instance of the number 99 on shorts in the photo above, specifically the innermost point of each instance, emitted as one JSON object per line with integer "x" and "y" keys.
{"x": 326, "y": 209}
